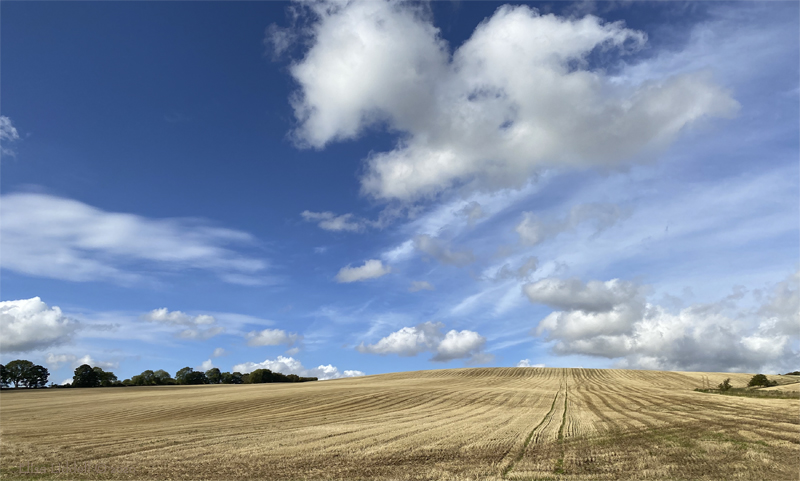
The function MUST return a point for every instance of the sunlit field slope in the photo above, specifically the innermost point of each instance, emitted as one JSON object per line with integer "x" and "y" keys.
{"x": 504, "y": 423}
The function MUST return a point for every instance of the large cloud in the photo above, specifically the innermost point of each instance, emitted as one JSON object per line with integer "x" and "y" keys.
{"x": 197, "y": 328}
{"x": 516, "y": 96}
{"x": 290, "y": 365}
{"x": 610, "y": 319}
{"x": 31, "y": 325}
{"x": 428, "y": 337}
{"x": 372, "y": 269}
{"x": 60, "y": 238}
{"x": 592, "y": 297}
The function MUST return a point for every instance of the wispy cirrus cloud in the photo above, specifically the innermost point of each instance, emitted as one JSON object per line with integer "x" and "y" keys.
{"x": 55, "y": 237}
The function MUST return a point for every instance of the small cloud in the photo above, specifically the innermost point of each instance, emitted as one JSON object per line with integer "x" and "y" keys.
{"x": 527, "y": 363}
{"x": 272, "y": 337}
{"x": 532, "y": 230}
{"x": 290, "y": 365}
{"x": 473, "y": 212}
{"x": 417, "y": 286}
{"x": 200, "y": 334}
{"x": 205, "y": 366}
{"x": 440, "y": 251}
{"x": 335, "y": 223}
{"x": 198, "y": 327}
{"x": 219, "y": 352}
{"x": 8, "y": 133}
{"x": 428, "y": 336}
{"x": 372, "y": 269}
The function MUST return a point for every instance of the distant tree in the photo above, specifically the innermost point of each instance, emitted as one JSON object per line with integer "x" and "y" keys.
{"x": 245, "y": 378}
{"x": 761, "y": 380}
{"x": 180, "y": 376}
{"x": 196, "y": 377}
{"x": 162, "y": 377}
{"x": 793, "y": 373}
{"x": 725, "y": 385}
{"x": 4, "y": 380}
{"x": 260, "y": 376}
{"x": 128, "y": 382}
{"x": 231, "y": 378}
{"x": 107, "y": 379}
{"x": 148, "y": 378}
{"x": 85, "y": 376}
{"x": 18, "y": 371}
{"x": 37, "y": 377}
{"x": 214, "y": 375}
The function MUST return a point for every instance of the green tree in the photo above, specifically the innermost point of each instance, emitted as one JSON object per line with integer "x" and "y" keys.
{"x": 261, "y": 376}
{"x": 85, "y": 376}
{"x": 162, "y": 377}
{"x": 148, "y": 378}
{"x": 725, "y": 385}
{"x": 180, "y": 376}
{"x": 231, "y": 378}
{"x": 196, "y": 377}
{"x": 214, "y": 376}
{"x": 18, "y": 371}
{"x": 4, "y": 380}
{"x": 760, "y": 380}
{"x": 106, "y": 378}
{"x": 37, "y": 377}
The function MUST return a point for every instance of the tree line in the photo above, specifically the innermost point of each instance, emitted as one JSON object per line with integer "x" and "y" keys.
{"x": 25, "y": 374}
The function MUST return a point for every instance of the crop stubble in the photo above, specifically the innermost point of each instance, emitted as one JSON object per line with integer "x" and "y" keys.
{"x": 499, "y": 423}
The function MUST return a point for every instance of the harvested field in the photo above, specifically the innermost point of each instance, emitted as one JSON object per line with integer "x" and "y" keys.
{"x": 502, "y": 423}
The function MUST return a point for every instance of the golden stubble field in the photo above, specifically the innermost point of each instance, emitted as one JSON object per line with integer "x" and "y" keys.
{"x": 500, "y": 423}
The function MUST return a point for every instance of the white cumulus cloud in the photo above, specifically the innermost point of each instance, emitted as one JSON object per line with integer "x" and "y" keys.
{"x": 594, "y": 296}
{"x": 428, "y": 337}
{"x": 290, "y": 365}
{"x": 527, "y": 363}
{"x": 515, "y": 97}
{"x": 32, "y": 325}
{"x": 610, "y": 319}
{"x": 372, "y": 269}
{"x": 205, "y": 365}
{"x": 57, "y": 360}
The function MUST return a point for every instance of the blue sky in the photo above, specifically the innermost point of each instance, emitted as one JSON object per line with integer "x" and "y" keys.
{"x": 342, "y": 188}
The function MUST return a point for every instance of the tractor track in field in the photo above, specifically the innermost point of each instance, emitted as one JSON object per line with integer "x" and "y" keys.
{"x": 528, "y": 439}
